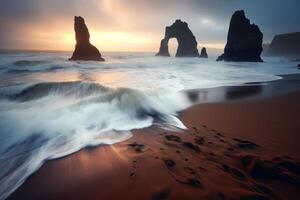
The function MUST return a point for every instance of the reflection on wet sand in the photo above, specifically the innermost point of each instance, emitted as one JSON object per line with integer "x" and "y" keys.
{"x": 223, "y": 93}
{"x": 287, "y": 84}
{"x": 238, "y": 92}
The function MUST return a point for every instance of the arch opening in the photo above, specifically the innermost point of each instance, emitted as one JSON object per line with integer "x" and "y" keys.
{"x": 187, "y": 44}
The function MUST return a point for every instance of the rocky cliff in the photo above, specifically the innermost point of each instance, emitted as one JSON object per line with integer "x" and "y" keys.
{"x": 286, "y": 45}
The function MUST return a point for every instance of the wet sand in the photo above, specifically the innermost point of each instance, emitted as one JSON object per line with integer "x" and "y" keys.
{"x": 236, "y": 149}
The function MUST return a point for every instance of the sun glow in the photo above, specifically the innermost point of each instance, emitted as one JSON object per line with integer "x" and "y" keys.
{"x": 121, "y": 41}
{"x": 213, "y": 45}
{"x": 63, "y": 38}
{"x": 105, "y": 41}
{"x": 119, "y": 37}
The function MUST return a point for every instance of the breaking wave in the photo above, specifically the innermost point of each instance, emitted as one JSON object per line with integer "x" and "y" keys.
{"x": 50, "y": 120}
{"x": 21, "y": 63}
{"x": 78, "y": 89}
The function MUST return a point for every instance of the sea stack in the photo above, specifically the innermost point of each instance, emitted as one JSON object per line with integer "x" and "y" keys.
{"x": 84, "y": 50}
{"x": 187, "y": 44}
{"x": 285, "y": 45}
{"x": 203, "y": 53}
{"x": 244, "y": 40}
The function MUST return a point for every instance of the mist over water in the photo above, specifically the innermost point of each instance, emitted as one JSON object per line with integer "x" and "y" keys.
{"x": 50, "y": 107}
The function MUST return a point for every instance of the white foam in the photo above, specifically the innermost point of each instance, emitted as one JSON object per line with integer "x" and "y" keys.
{"x": 63, "y": 118}
{"x": 44, "y": 114}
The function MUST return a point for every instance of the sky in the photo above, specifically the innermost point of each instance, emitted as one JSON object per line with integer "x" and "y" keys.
{"x": 135, "y": 25}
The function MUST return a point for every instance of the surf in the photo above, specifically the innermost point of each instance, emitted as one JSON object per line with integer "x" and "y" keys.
{"x": 49, "y": 120}
{"x": 50, "y": 108}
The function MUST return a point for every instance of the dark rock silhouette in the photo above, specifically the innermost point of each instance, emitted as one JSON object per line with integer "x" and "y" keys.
{"x": 187, "y": 44}
{"x": 244, "y": 40}
{"x": 164, "y": 49}
{"x": 203, "y": 53}
{"x": 84, "y": 50}
{"x": 286, "y": 45}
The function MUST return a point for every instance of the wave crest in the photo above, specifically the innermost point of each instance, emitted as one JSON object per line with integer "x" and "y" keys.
{"x": 22, "y": 63}
{"x": 50, "y": 120}
{"x": 76, "y": 88}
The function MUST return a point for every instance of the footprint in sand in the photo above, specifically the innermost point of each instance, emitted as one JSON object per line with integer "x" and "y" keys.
{"x": 173, "y": 138}
{"x": 199, "y": 140}
{"x": 137, "y": 147}
{"x": 191, "y": 181}
{"x": 244, "y": 144}
{"x": 235, "y": 173}
{"x": 191, "y": 146}
{"x": 132, "y": 175}
{"x": 170, "y": 164}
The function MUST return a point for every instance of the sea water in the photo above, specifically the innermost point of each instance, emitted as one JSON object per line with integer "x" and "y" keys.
{"x": 51, "y": 107}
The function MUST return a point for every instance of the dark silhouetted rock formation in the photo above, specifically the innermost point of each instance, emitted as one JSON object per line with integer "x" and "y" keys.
{"x": 285, "y": 45}
{"x": 203, "y": 53}
{"x": 84, "y": 50}
{"x": 187, "y": 44}
{"x": 244, "y": 40}
{"x": 164, "y": 49}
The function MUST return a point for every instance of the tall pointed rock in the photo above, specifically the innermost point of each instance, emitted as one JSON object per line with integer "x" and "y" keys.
{"x": 244, "y": 40}
{"x": 84, "y": 50}
{"x": 203, "y": 53}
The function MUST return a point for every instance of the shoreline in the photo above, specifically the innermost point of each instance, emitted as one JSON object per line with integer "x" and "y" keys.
{"x": 252, "y": 121}
{"x": 245, "y": 92}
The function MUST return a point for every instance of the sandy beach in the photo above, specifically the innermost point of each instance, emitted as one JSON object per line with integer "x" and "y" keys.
{"x": 246, "y": 148}
{"x": 149, "y": 100}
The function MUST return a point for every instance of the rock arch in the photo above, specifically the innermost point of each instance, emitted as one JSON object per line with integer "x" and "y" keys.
{"x": 187, "y": 44}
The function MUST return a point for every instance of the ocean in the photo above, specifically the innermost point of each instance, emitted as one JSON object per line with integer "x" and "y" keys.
{"x": 51, "y": 107}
